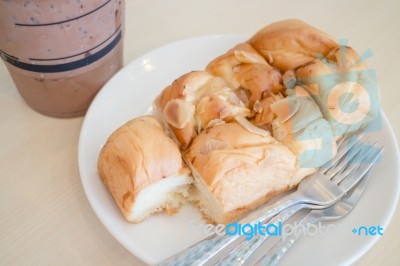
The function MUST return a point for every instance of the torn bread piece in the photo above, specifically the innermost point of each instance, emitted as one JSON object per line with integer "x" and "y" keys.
{"x": 143, "y": 169}
{"x": 247, "y": 72}
{"x": 344, "y": 88}
{"x": 299, "y": 125}
{"x": 225, "y": 66}
{"x": 195, "y": 101}
{"x": 236, "y": 171}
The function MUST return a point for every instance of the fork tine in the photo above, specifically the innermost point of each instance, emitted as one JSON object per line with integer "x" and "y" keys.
{"x": 354, "y": 193}
{"x": 341, "y": 141}
{"x": 343, "y": 162}
{"x": 342, "y": 151}
{"x": 353, "y": 176}
{"x": 361, "y": 157}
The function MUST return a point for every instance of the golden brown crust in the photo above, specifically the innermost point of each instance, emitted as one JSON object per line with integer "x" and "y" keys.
{"x": 264, "y": 115}
{"x": 340, "y": 73}
{"x": 224, "y": 65}
{"x": 258, "y": 79}
{"x": 339, "y": 61}
{"x": 290, "y": 43}
{"x": 182, "y": 92}
{"x": 241, "y": 169}
{"x": 183, "y": 88}
{"x": 243, "y": 68}
{"x": 136, "y": 155}
{"x": 346, "y": 59}
{"x": 193, "y": 101}
{"x": 184, "y": 135}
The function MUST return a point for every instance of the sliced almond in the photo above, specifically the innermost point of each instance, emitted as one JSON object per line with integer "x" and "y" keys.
{"x": 178, "y": 113}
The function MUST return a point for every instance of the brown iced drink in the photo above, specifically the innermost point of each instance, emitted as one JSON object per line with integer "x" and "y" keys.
{"x": 60, "y": 53}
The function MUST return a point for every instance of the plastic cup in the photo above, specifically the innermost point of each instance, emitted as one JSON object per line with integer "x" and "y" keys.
{"x": 60, "y": 53}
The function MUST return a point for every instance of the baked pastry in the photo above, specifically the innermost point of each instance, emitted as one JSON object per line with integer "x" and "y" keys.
{"x": 195, "y": 101}
{"x": 247, "y": 72}
{"x": 334, "y": 81}
{"x": 143, "y": 169}
{"x": 237, "y": 170}
{"x": 258, "y": 120}
{"x": 290, "y": 43}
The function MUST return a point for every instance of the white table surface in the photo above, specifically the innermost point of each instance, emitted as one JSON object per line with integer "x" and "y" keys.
{"x": 45, "y": 218}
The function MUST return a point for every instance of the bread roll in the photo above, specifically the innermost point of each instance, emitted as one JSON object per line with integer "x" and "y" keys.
{"x": 143, "y": 169}
{"x": 225, "y": 66}
{"x": 195, "y": 100}
{"x": 237, "y": 170}
{"x": 247, "y": 72}
{"x": 336, "y": 84}
{"x": 290, "y": 43}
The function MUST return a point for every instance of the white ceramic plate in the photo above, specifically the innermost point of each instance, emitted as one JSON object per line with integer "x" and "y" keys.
{"x": 130, "y": 93}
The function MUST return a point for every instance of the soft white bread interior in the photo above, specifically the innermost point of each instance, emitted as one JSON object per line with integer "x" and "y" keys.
{"x": 143, "y": 169}
{"x": 237, "y": 170}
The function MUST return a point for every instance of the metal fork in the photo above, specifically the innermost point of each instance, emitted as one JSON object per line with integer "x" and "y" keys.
{"x": 243, "y": 254}
{"x": 336, "y": 211}
{"x": 319, "y": 190}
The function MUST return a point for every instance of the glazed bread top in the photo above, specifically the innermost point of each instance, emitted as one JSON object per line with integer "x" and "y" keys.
{"x": 240, "y": 167}
{"x": 290, "y": 43}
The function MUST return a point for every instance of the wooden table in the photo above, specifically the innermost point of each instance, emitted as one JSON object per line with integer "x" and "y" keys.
{"x": 45, "y": 218}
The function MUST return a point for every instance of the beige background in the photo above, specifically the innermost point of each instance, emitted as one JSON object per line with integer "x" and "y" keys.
{"x": 45, "y": 218}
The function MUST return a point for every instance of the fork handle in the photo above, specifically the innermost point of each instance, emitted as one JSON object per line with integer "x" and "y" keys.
{"x": 276, "y": 253}
{"x": 243, "y": 252}
{"x": 209, "y": 250}
{"x": 265, "y": 213}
